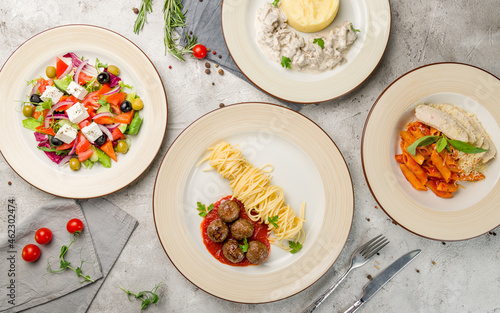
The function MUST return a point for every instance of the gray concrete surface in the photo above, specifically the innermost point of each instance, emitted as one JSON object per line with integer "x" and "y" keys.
{"x": 447, "y": 277}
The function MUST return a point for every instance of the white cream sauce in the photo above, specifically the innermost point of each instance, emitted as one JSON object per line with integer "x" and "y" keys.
{"x": 276, "y": 39}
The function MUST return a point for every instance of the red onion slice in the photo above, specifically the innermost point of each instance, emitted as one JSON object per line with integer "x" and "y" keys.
{"x": 60, "y": 104}
{"x": 113, "y": 126}
{"x": 112, "y": 91}
{"x": 78, "y": 70}
{"x": 70, "y": 154}
{"x": 35, "y": 89}
{"x": 102, "y": 114}
{"x": 106, "y": 131}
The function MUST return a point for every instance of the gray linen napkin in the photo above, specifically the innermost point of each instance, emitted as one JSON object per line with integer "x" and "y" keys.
{"x": 203, "y": 18}
{"x": 106, "y": 231}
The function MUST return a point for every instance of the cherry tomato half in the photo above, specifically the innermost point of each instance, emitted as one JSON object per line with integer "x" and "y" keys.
{"x": 74, "y": 225}
{"x": 43, "y": 236}
{"x": 31, "y": 253}
{"x": 199, "y": 51}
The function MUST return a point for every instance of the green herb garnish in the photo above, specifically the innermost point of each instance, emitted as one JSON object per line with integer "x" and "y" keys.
{"x": 174, "y": 17}
{"x": 58, "y": 152}
{"x": 320, "y": 42}
{"x": 295, "y": 246}
{"x": 354, "y": 30}
{"x": 275, "y": 3}
{"x": 273, "y": 220}
{"x": 123, "y": 85}
{"x": 203, "y": 210}
{"x": 32, "y": 82}
{"x": 443, "y": 143}
{"x": 285, "y": 62}
{"x": 244, "y": 246}
{"x": 147, "y": 297}
{"x": 146, "y": 7}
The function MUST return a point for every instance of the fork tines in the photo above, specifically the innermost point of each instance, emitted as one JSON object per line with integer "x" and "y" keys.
{"x": 373, "y": 246}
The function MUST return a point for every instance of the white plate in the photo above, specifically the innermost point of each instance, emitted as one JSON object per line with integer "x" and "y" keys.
{"x": 18, "y": 144}
{"x": 373, "y": 18}
{"x": 472, "y": 211}
{"x": 307, "y": 165}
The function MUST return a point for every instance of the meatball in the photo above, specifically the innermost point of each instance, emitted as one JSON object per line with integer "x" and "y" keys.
{"x": 229, "y": 211}
{"x": 217, "y": 231}
{"x": 232, "y": 251}
{"x": 241, "y": 229}
{"x": 257, "y": 252}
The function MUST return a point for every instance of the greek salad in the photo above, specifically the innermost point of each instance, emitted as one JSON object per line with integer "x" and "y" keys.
{"x": 82, "y": 113}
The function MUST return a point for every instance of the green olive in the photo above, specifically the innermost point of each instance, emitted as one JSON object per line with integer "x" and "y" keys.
{"x": 122, "y": 146}
{"x": 50, "y": 71}
{"x": 74, "y": 164}
{"x": 113, "y": 70}
{"x": 27, "y": 110}
{"x": 137, "y": 104}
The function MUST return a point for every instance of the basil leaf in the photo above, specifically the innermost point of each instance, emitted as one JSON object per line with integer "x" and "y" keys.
{"x": 441, "y": 144}
{"x": 424, "y": 141}
{"x": 465, "y": 147}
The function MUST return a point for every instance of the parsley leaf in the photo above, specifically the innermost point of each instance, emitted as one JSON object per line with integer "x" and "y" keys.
{"x": 203, "y": 210}
{"x": 295, "y": 246}
{"x": 320, "y": 42}
{"x": 244, "y": 247}
{"x": 285, "y": 62}
{"x": 273, "y": 220}
{"x": 275, "y": 3}
{"x": 354, "y": 30}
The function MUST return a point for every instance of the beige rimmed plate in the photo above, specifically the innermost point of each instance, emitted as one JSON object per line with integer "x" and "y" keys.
{"x": 18, "y": 145}
{"x": 472, "y": 211}
{"x": 371, "y": 17}
{"x": 307, "y": 165}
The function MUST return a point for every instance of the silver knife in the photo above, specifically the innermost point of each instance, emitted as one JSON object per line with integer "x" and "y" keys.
{"x": 378, "y": 282}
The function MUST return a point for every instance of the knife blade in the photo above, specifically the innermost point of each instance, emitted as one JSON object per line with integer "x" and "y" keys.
{"x": 370, "y": 289}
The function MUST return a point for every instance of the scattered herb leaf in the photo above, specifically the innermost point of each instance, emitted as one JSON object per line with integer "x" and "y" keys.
{"x": 123, "y": 85}
{"x": 295, "y": 246}
{"x": 203, "y": 210}
{"x": 32, "y": 82}
{"x": 273, "y": 220}
{"x": 244, "y": 246}
{"x": 354, "y": 30}
{"x": 275, "y": 3}
{"x": 285, "y": 62}
{"x": 320, "y": 42}
{"x": 147, "y": 297}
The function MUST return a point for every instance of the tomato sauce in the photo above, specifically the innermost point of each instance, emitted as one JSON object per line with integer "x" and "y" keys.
{"x": 215, "y": 248}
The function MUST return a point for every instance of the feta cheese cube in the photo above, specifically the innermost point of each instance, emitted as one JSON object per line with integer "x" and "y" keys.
{"x": 52, "y": 93}
{"x": 92, "y": 132}
{"x": 76, "y": 90}
{"x": 66, "y": 133}
{"x": 77, "y": 113}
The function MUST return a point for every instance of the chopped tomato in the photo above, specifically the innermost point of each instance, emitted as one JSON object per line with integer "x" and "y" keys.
{"x": 69, "y": 98}
{"x": 85, "y": 155}
{"x": 66, "y": 146}
{"x": 83, "y": 124}
{"x": 105, "y": 88}
{"x": 83, "y": 78}
{"x": 117, "y": 134}
{"x": 91, "y": 113}
{"x": 64, "y": 107}
{"x": 61, "y": 67}
{"x": 43, "y": 130}
{"x": 83, "y": 144}
{"x": 116, "y": 99}
{"x": 43, "y": 84}
{"x": 91, "y": 100}
{"x": 125, "y": 118}
{"x": 108, "y": 149}
{"x": 36, "y": 114}
{"x": 105, "y": 120}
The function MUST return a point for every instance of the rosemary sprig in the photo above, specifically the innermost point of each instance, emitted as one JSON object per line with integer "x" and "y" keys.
{"x": 146, "y": 7}
{"x": 175, "y": 17}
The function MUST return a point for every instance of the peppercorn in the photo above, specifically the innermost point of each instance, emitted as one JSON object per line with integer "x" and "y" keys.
{"x": 136, "y": 10}
{"x": 207, "y": 71}
{"x": 207, "y": 65}
{"x": 221, "y": 72}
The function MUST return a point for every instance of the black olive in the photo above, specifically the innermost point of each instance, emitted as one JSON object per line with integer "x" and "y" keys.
{"x": 103, "y": 78}
{"x": 126, "y": 106}
{"x": 35, "y": 98}
{"x": 56, "y": 142}
{"x": 101, "y": 140}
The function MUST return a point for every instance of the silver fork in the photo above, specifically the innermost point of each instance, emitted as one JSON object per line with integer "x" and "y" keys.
{"x": 358, "y": 258}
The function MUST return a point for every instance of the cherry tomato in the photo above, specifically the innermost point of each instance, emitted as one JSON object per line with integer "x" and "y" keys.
{"x": 31, "y": 253}
{"x": 199, "y": 51}
{"x": 74, "y": 225}
{"x": 43, "y": 236}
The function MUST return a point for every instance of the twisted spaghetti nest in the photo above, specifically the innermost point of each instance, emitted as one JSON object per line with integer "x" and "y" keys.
{"x": 252, "y": 186}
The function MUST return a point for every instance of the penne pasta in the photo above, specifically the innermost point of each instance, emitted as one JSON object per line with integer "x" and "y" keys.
{"x": 448, "y": 187}
{"x": 407, "y": 136}
{"x": 414, "y": 181}
{"x": 432, "y": 185}
{"x": 415, "y": 168}
{"x": 418, "y": 157}
{"x": 439, "y": 163}
{"x": 399, "y": 158}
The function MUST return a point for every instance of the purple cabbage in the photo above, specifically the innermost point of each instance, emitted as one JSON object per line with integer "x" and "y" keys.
{"x": 87, "y": 69}
{"x": 113, "y": 79}
{"x": 52, "y": 155}
{"x": 41, "y": 137}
